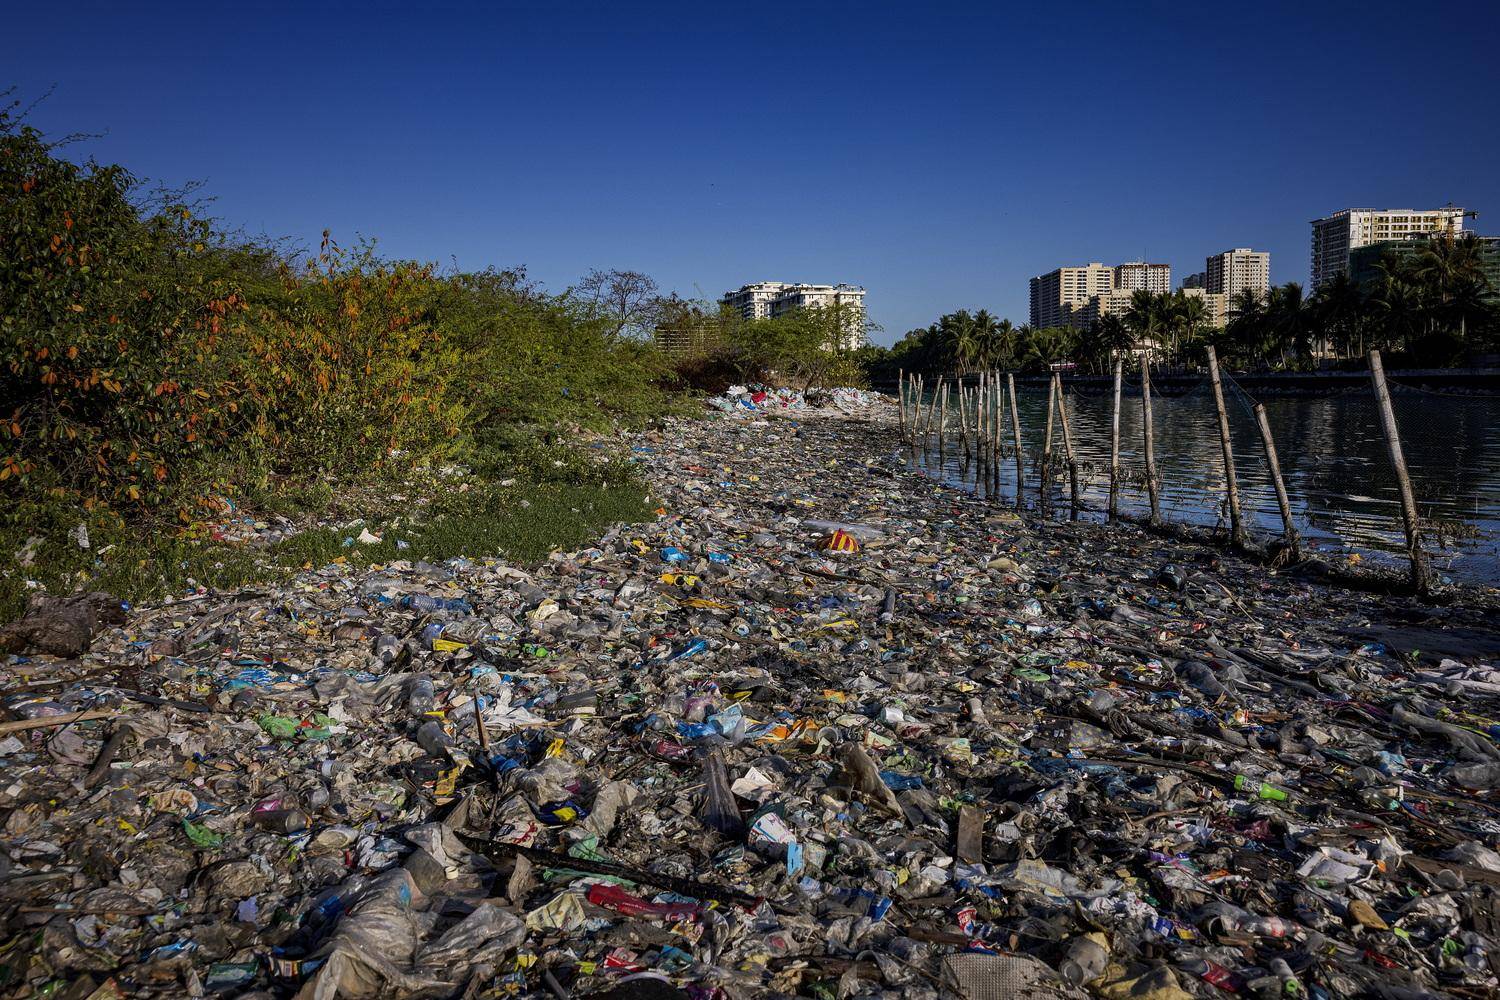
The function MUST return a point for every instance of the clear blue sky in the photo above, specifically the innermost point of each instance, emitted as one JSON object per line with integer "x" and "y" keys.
{"x": 938, "y": 155}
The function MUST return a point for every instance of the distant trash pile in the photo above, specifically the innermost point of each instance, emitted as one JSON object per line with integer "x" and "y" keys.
{"x": 765, "y": 399}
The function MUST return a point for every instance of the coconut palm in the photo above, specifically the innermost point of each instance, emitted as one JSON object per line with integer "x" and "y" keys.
{"x": 1189, "y": 314}
{"x": 986, "y": 330}
{"x": 1340, "y": 314}
{"x": 1107, "y": 339}
{"x": 1399, "y": 308}
{"x": 1145, "y": 318}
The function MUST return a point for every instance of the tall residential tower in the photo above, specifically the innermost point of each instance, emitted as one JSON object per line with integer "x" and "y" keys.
{"x": 1238, "y": 270}
{"x": 1334, "y": 236}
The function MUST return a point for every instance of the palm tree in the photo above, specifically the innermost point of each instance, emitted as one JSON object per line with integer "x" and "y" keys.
{"x": 1189, "y": 313}
{"x": 958, "y": 334}
{"x": 1144, "y": 318}
{"x": 1339, "y": 312}
{"x": 1006, "y": 337}
{"x": 986, "y": 331}
{"x": 1110, "y": 338}
{"x": 1399, "y": 307}
{"x": 1049, "y": 345}
{"x": 1287, "y": 322}
{"x": 1446, "y": 268}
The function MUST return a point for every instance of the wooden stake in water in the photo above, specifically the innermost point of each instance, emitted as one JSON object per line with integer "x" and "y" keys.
{"x": 901, "y": 401}
{"x": 931, "y": 415}
{"x": 1114, "y": 445}
{"x": 995, "y": 439}
{"x": 1062, "y": 413}
{"x": 979, "y": 457}
{"x": 943, "y": 424}
{"x": 1015, "y": 426}
{"x": 1044, "y": 491}
{"x": 1231, "y": 481}
{"x": 1273, "y": 466}
{"x": 1420, "y": 579}
{"x": 963, "y": 421}
{"x": 1152, "y": 485}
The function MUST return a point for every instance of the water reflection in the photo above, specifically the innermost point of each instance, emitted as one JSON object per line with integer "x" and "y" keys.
{"x": 1333, "y": 457}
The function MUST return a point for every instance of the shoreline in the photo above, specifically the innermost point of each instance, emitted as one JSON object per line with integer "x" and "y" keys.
{"x": 1019, "y": 715}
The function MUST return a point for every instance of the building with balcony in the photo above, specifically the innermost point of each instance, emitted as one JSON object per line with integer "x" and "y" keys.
{"x": 1335, "y": 237}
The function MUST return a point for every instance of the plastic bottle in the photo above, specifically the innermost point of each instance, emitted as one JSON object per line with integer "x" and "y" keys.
{"x": 421, "y": 697}
{"x": 1085, "y": 962}
{"x": 279, "y": 820}
{"x": 1212, "y": 973}
{"x": 612, "y": 897}
{"x": 1245, "y": 783}
{"x": 387, "y": 648}
{"x": 426, "y": 603}
{"x": 1291, "y": 986}
{"x": 431, "y": 738}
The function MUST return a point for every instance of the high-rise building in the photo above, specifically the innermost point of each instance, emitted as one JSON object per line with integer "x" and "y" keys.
{"x": 1333, "y": 237}
{"x": 1238, "y": 270}
{"x": 1139, "y": 276}
{"x": 1111, "y": 303}
{"x": 1215, "y": 305}
{"x": 768, "y": 299}
{"x": 849, "y": 298}
{"x": 1195, "y": 280}
{"x": 754, "y": 301}
{"x": 1057, "y": 294}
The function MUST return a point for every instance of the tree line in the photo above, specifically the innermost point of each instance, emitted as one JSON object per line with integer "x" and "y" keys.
{"x": 1431, "y": 304}
{"x": 150, "y": 359}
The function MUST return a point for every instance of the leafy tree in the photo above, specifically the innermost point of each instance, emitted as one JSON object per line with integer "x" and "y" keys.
{"x": 627, "y": 301}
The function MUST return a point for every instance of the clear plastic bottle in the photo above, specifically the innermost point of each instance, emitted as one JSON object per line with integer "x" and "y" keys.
{"x": 421, "y": 697}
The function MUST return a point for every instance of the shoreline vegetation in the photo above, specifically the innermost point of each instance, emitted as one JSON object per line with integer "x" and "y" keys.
{"x": 188, "y": 408}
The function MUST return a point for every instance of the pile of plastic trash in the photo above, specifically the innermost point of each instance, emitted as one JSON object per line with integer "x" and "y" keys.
{"x": 823, "y": 729}
{"x": 766, "y": 399}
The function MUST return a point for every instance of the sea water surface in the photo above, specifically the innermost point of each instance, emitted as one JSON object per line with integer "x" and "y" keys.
{"x": 1334, "y": 459}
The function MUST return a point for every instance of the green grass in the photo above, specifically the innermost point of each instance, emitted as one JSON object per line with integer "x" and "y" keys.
{"x": 473, "y": 518}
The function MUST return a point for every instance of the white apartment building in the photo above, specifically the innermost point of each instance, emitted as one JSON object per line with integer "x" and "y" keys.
{"x": 1333, "y": 237}
{"x": 1238, "y": 270}
{"x": 754, "y": 301}
{"x": 1139, "y": 276}
{"x": 769, "y": 299}
{"x": 1056, "y": 295}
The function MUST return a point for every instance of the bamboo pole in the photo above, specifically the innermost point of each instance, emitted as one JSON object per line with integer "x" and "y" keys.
{"x": 995, "y": 439}
{"x": 1231, "y": 481}
{"x": 968, "y": 423}
{"x": 1420, "y": 578}
{"x": 1114, "y": 444}
{"x": 1152, "y": 486}
{"x": 963, "y": 421}
{"x": 943, "y": 424}
{"x": 981, "y": 480}
{"x": 901, "y": 401}
{"x": 1273, "y": 466}
{"x": 1015, "y": 427}
{"x": 1044, "y": 490}
{"x": 980, "y": 402}
{"x": 1062, "y": 413}
{"x": 931, "y": 415}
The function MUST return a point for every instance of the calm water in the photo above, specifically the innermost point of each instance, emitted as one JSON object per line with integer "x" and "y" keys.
{"x": 1333, "y": 458}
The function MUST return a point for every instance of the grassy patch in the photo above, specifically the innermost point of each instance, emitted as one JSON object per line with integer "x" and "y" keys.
{"x": 522, "y": 522}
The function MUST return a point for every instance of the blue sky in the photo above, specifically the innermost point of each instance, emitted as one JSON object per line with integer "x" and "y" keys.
{"x": 937, "y": 154}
